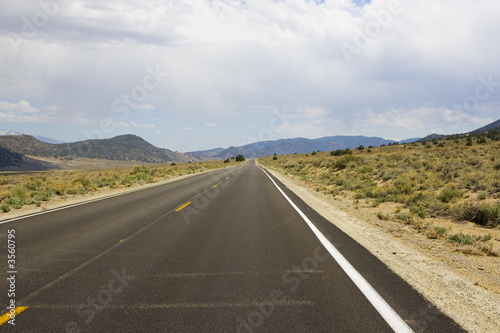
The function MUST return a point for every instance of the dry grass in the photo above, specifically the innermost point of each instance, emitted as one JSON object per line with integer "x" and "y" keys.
{"x": 445, "y": 179}
{"x": 18, "y": 190}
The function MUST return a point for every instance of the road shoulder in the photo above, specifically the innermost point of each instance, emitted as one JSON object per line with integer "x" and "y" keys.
{"x": 435, "y": 273}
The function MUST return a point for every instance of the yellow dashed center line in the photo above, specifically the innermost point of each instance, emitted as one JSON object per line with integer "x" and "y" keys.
{"x": 6, "y": 317}
{"x": 215, "y": 186}
{"x": 187, "y": 203}
{"x": 227, "y": 178}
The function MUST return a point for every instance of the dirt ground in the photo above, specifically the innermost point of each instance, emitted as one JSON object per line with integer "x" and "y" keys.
{"x": 458, "y": 279}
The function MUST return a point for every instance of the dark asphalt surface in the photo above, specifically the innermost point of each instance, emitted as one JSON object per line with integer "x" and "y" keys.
{"x": 238, "y": 258}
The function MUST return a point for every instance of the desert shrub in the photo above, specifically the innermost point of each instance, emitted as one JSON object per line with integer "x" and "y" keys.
{"x": 366, "y": 169}
{"x": 15, "y": 202}
{"x": 449, "y": 194}
{"x": 82, "y": 181}
{"x": 34, "y": 185}
{"x": 342, "y": 162}
{"x": 19, "y": 192}
{"x": 441, "y": 231}
{"x": 71, "y": 190}
{"x": 482, "y": 195}
{"x": 382, "y": 216}
{"x": 488, "y": 215}
{"x": 468, "y": 239}
{"x": 5, "y": 207}
{"x": 341, "y": 152}
{"x": 401, "y": 185}
{"x": 423, "y": 204}
{"x": 484, "y": 214}
{"x": 403, "y": 217}
{"x": 435, "y": 233}
{"x": 419, "y": 211}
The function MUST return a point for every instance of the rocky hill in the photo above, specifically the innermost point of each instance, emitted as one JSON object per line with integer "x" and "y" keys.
{"x": 122, "y": 148}
{"x": 11, "y": 161}
{"x": 9, "y": 158}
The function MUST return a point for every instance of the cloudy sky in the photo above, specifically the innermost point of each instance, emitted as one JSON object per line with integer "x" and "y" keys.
{"x": 199, "y": 74}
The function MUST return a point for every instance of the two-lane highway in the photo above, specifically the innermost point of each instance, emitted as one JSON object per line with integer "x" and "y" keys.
{"x": 224, "y": 251}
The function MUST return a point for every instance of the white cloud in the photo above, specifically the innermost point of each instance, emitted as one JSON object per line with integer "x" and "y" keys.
{"x": 423, "y": 117}
{"x": 242, "y": 59}
{"x": 23, "y": 112}
{"x": 212, "y": 125}
{"x": 18, "y": 108}
{"x": 187, "y": 129}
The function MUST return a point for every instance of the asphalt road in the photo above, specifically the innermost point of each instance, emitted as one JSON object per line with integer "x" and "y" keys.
{"x": 223, "y": 251}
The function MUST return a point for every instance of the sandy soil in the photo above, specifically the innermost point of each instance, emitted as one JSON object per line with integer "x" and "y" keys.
{"x": 466, "y": 287}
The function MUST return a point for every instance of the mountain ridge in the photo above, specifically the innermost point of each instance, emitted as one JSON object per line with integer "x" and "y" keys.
{"x": 127, "y": 147}
{"x": 295, "y": 145}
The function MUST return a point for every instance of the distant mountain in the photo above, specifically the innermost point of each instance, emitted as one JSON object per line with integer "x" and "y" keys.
{"x": 433, "y": 136}
{"x": 410, "y": 140}
{"x": 296, "y": 145}
{"x": 122, "y": 148}
{"x": 9, "y": 132}
{"x": 39, "y": 137}
{"x": 493, "y": 125}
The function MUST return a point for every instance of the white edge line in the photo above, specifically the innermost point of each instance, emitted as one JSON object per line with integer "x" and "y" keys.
{"x": 383, "y": 308}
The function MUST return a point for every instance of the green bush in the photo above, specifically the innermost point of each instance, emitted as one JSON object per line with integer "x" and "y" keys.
{"x": 342, "y": 162}
{"x": 420, "y": 211}
{"x": 461, "y": 239}
{"x": 403, "y": 217}
{"x": 5, "y": 208}
{"x": 83, "y": 181}
{"x": 441, "y": 231}
{"x": 15, "y": 202}
{"x": 484, "y": 214}
{"x": 340, "y": 152}
{"x": 449, "y": 194}
{"x": 19, "y": 192}
{"x": 401, "y": 185}
{"x": 468, "y": 239}
{"x": 488, "y": 215}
